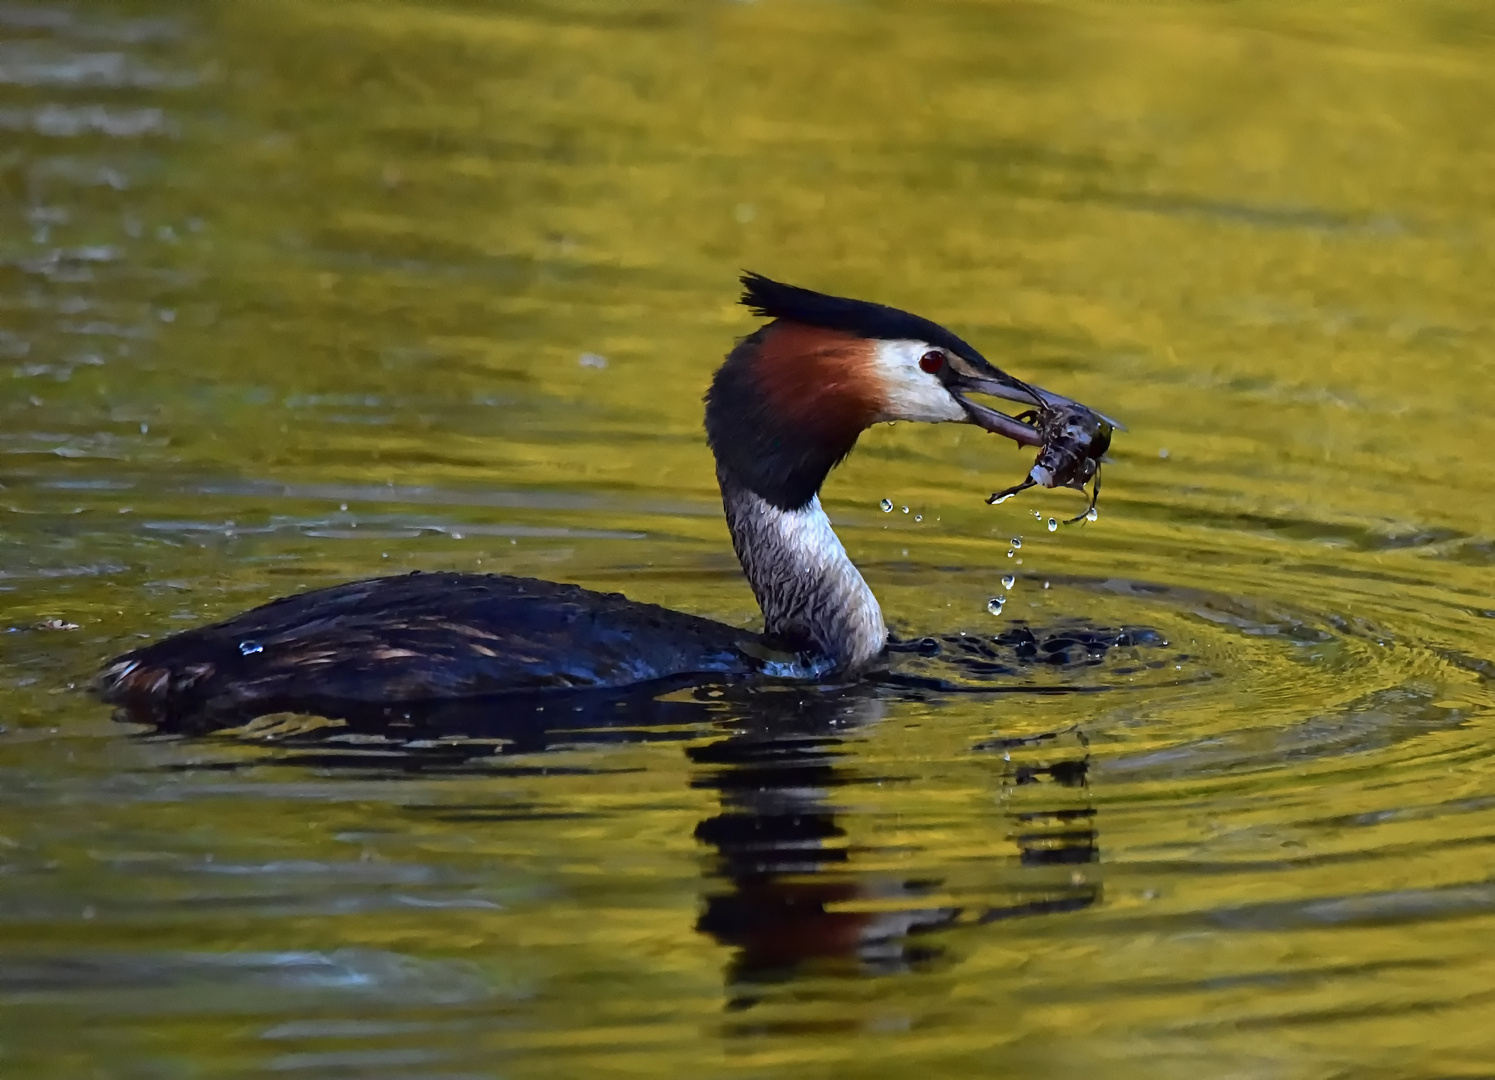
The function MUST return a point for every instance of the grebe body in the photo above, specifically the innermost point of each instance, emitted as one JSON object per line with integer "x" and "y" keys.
{"x": 785, "y": 408}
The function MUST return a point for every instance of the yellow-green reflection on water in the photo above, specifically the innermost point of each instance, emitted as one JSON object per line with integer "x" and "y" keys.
{"x": 296, "y": 292}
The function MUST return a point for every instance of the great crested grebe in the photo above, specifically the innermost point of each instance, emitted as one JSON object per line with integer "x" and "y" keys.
{"x": 784, "y": 409}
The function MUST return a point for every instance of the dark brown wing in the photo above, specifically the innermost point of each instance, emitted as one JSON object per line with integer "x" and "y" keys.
{"x": 417, "y": 638}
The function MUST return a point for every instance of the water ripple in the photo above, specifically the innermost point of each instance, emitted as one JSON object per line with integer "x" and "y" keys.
{"x": 72, "y": 121}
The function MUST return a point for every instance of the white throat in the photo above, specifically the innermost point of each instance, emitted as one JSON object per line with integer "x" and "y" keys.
{"x": 804, "y": 581}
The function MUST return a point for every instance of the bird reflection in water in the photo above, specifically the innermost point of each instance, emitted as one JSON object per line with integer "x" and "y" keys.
{"x": 791, "y": 891}
{"x": 783, "y": 887}
{"x": 785, "y": 891}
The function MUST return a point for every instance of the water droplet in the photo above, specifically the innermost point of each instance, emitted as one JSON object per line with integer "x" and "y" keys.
{"x": 1045, "y": 584}
{"x": 887, "y": 506}
{"x": 343, "y": 507}
{"x": 1017, "y": 541}
{"x": 1037, "y": 516}
{"x": 249, "y": 648}
{"x": 905, "y": 509}
{"x": 918, "y": 517}
{"x": 1009, "y": 581}
{"x": 1163, "y": 452}
{"x": 1092, "y": 514}
{"x": 1010, "y": 553}
{"x": 1053, "y": 525}
{"x": 994, "y": 605}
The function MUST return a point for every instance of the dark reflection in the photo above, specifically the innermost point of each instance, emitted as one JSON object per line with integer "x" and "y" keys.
{"x": 1046, "y": 794}
{"x": 783, "y": 891}
{"x": 784, "y": 888}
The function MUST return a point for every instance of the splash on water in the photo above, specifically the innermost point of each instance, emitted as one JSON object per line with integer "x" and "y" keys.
{"x": 802, "y": 668}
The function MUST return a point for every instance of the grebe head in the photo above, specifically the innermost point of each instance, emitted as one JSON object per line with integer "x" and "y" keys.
{"x": 791, "y": 398}
{"x": 788, "y": 404}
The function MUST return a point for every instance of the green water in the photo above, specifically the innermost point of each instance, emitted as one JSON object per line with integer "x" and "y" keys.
{"x": 292, "y": 293}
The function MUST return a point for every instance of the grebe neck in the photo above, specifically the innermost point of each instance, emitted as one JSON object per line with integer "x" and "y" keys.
{"x": 812, "y": 596}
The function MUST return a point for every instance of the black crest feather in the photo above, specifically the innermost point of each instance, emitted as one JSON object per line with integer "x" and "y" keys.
{"x": 775, "y": 300}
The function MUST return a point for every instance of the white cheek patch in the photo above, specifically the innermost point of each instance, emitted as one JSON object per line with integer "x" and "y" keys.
{"x": 910, "y": 392}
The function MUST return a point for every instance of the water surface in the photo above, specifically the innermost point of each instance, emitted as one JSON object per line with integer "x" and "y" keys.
{"x": 297, "y": 292}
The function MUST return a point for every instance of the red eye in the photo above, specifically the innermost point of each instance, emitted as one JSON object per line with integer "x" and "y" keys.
{"x": 932, "y": 361}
